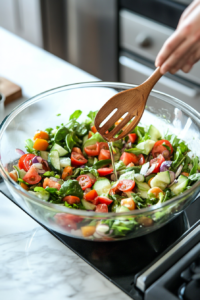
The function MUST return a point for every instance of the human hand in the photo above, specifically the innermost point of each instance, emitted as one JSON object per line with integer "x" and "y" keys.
{"x": 182, "y": 49}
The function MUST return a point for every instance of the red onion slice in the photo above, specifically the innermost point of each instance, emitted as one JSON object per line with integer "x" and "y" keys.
{"x": 165, "y": 165}
{"x": 150, "y": 170}
{"x": 178, "y": 172}
{"x": 19, "y": 151}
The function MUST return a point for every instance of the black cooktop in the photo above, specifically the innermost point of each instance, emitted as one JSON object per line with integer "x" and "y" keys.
{"x": 166, "y": 12}
{"x": 127, "y": 263}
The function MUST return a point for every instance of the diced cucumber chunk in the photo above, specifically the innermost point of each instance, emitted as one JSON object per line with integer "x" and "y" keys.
{"x": 122, "y": 209}
{"x": 146, "y": 146}
{"x": 142, "y": 186}
{"x": 88, "y": 205}
{"x": 61, "y": 150}
{"x": 65, "y": 162}
{"x": 102, "y": 186}
{"x": 180, "y": 186}
{"x": 128, "y": 175}
{"x": 154, "y": 133}
{"x": 44, "y": 154}
{"x": 54, "y": 161}
{"x": 161, "y": 180}
{"x": 143, "y": 194}
{"x": 44, "y": 195}
{"x": 139, "y": 177}
{"x": 20, "y": 172}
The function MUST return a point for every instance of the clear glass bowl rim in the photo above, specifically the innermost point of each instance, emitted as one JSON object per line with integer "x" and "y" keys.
{"x": 183, "y": 106}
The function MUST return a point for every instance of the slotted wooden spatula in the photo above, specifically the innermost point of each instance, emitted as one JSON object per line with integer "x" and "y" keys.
{"x": 129, "y": 105}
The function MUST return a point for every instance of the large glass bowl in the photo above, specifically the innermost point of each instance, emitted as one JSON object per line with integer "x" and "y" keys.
{"x": 41, "y": 111}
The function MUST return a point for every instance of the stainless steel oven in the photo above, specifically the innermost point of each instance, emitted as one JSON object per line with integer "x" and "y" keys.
{"x": 140, "y": 40}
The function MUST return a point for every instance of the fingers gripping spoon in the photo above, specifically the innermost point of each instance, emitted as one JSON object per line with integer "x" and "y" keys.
{"x": 129, "y": 105}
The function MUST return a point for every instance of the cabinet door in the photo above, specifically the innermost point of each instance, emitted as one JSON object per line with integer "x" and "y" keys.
{"x": 23, "y": 18}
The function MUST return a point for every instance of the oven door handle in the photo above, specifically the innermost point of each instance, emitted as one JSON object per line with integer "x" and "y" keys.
{"x": 146, "y": 71}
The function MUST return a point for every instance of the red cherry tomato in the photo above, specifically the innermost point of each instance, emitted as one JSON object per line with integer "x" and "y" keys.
{"x": 126, "y": 185}
{"x": 103, "y": 200}
{"x": 141, "y": 159}
{"x": 71, "y": 199}
{"x": 78, "y": 159}
{"x": 127, "y": 158}
{"x": 156, "y": 162}
{"x": 92, "y": 150}
{"x": 104, "y": 171}
{"x": 84, "y": 181}
{"x": 64, "y": 221}
{"x": 132, "y": 137}
{"x": 77, "y": 150}
{"x": 25, "y": 161}
{"x": 32, "y": 176}
{"x": 91, "y": 195}
{"x": 113, "y": 190}
{"x": 50, "y": 183}
{"x": 104, "y": 146}
{"x": 104, "y": 154}
{"x": 102, "y": 208}
{"x": 158, "y": 147}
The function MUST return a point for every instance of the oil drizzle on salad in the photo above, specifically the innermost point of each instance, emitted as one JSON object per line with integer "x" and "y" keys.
{"x": 112, "y": 159}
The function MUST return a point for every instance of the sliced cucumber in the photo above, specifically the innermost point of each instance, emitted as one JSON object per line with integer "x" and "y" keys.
{"x": 122, "y": 209}
{"x": 65, "y": 162}
{"x": 154, "y": 133}
{"x": 20, "y": 172}
{"x": 44, "y": 195}
{"x": 143, "y": 194}
{"x": 146, "y": 146}
{"x": 139, "y": 177}
{"x": 102, "y": 186}
{"x": 161, "y": 180}
{"x": 142, "y": 186}
{"x": 88, "y": 205}
{"x": 180, "y": 186}
{"x": 61, "y": 150}
{"x": 44, "y": 154}
{"x": 128, "y": 175}
{"x": 54, "y": 161}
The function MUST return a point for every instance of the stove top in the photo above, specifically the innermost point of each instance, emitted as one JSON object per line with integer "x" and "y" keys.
{"x": 136, "y": 265}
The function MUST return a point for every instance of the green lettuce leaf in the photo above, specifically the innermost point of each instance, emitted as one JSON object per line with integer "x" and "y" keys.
{"x": 76, "y": 114}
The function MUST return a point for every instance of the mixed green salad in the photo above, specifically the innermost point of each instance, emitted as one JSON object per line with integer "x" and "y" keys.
{"x": 71, "y": 165}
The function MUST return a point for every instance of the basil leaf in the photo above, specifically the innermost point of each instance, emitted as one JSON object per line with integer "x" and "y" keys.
{"x": 102, "y": 163}
{"x": 75, "y": 115}
{"x": 71, "y": 187}
{"x": 92, "y": 115}
{"x": 61, "y": 134}
{"x": 71, "y": 140}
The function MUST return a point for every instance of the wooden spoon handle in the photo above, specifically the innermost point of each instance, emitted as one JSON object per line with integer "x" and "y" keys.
{"x": 151, "y": 81}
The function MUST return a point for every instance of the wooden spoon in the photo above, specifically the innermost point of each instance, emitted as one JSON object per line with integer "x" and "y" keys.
{"x": 130, "y": 102}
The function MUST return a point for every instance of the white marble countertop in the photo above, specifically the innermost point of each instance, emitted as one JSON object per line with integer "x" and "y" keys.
{"x": 34, "y": 264}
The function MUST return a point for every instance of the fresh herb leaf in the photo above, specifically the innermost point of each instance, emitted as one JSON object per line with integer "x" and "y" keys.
{"x": 71, "y": 187}
{"x": 140, "y": 203}
{"x": 29, "y": 146}
{"x": 194, "y": 177}
{"x": 51, "y": 190}
{"x": 75, "y": 115}
{"x": 21, "y": 180}
{"x": 75, "y": 206}
{"x": 92, "y": 115}
{"x": 71, "y": 140}
{"x": 58, "y": 115}
{"x": 136, "y": 151}
{"x": 61, "y": 134}
{"x": 102, "y": 163}
{"x": 49, "y": 174}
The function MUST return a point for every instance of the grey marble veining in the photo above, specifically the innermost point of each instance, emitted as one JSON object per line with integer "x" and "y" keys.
{"x": 35, "y": 265}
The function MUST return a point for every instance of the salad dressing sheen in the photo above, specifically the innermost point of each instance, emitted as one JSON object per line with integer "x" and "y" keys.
{"x": 112, "y": 159}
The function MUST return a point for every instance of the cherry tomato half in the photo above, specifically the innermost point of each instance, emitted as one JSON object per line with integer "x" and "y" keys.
{"x": 25, "y": 161}
{"x": 132, "y": 137}
{"x": 102, "y": 208}
{"x": 104, "y": 146}
{"x": 103, "y": 200}
{"x": 104, "y": 154}
{"x": 92, "y": 150}
{"x": 126, "y": 185}
{"x": 104, "y": 171}
{"x": 127, "y": 158}
{"x": 156, "y": 162}
{"x": 159, "y": 147}
{"x": 32, "y": 176}
{"x": 78, "y": 159}
{"x": 141, "y": 159}
{"x": 84, "y": 181}
{"x": 71, "y": 199}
